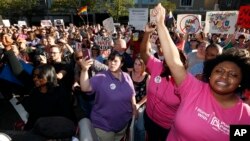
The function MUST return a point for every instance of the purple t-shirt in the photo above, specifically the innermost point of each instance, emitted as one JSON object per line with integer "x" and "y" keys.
{"x": 113, "y": 107}
{"x": 201, "y": 118}
{"x": 162, "y": 103}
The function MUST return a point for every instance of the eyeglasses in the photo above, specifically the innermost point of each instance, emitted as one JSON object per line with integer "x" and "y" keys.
{"x": 78, "y": 58}
{"x": 54, "y": 52}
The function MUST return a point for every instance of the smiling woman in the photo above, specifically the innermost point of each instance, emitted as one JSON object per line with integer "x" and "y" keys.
{"x": 212, "y": 106}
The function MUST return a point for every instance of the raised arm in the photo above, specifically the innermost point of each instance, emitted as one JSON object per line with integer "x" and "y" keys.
{"x": 84, "y": 77}
{"x": 145, "y": 44}
{"x": 170, "y": 50}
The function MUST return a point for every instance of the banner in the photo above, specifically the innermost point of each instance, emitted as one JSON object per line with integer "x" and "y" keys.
{"x": 188, "y": 23}
{"x": 244, "y": 17}
{"x": 221, "y": 22}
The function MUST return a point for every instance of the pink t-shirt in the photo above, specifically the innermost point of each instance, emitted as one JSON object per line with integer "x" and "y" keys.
{"x": 162, "y": 103}
{"x": 201, "y": 118}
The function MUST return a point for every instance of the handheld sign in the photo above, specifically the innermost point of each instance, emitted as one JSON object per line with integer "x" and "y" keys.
{"x": 58, "y": 22}
{"x": 109, "y": 24}
{"x": 244, "y": 17}
{"x": 6, "y": 22}
{"x": 45, "y": 23}
{"x": 221, "y": 22}
{"x": 188, "y": 23}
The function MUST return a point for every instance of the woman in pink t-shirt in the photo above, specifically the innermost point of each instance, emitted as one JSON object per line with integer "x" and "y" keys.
{"x": 207, "y": 109}
{"x": 162, "y": 103}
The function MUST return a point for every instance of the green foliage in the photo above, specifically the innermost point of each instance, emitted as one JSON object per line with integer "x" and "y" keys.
{"x": 119, "y": 8}
{"x": 19, "y": 7}
{"x": 170, "y": 6}
{"x": 69, "y": 5}
{"x": 64, "y": 5}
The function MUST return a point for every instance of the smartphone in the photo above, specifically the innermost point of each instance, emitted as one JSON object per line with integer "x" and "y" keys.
{"x": 86, "y": 53}
{"x": 152, "y": 18}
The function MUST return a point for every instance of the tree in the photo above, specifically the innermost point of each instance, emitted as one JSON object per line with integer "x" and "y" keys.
{"x": 75, "y": 5}
{"x": 170, "y": 6}
{"x": 119, "y": 8}
{"x": 17, "y": 8}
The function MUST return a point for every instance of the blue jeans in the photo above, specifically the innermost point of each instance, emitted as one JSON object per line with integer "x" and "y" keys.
{"x": 139, "y": 129}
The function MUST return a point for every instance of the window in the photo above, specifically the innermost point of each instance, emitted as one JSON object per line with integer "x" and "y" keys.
{"x": 187, "y": 3}
{"x": 149, "y": 1}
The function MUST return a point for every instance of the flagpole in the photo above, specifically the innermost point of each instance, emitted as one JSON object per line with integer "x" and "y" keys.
{"x": 82, "y": 18}
{"x": 87, "y": 19}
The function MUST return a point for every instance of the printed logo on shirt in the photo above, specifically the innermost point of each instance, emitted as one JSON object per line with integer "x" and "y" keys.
{"x": 157, "y": 79}
{"x": 112, "y": 86}
{"x": 214, "y": 121}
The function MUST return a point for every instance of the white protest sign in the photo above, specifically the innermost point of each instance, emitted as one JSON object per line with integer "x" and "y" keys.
{"x": 221, "y": 22}
{"x": 109, "y": 24}
{"x": 188, "y": 23}
{"x": 58, "y": 22}
{"x": 21, "y": 23}
{"x": 45, "y": 23}
{"x": 6, "y": 22}
{"x": 138, "y": 17}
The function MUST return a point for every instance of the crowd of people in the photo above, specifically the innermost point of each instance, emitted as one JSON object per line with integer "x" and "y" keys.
{"x": 176, "y": 86}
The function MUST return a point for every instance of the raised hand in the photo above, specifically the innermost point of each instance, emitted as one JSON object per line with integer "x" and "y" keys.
{"x": 149, "y": 28}
{"x": 160, "y": 13}
{"x": 86, "y": 64}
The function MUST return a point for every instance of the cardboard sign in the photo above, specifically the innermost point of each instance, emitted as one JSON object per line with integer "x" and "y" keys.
{"x": 58, "y": 22}
{"x": 21, "y": 23}
{"x": 188, "y": 24}
{"x": 244, "y": 17}
{"x": 45, "y": 23}
{"x": 221, "y": 22}
{"x": 109, "y": 25}
{"x": 6, "y": 22}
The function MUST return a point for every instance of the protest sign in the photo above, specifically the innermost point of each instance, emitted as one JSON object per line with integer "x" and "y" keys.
{"x": 138, "y": 17}
{"x": 102, "y": 42}
{"x": 58, "y": 22}
{"x": 21, "y": 23}
{"x": 221, "y": 22}
{"x": 45, "y": 23}
{"x": 109, "y": 25}
{"x": 188, "y": 23}
{"x": 244, "y": 17}
{"x": 6, "y": 22}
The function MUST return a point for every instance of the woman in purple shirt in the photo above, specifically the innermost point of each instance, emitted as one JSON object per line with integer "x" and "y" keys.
{"x": 115, "y": 98}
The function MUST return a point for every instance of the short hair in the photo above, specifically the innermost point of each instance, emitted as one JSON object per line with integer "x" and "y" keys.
{"x": 116, "y": 54}
{"x": 238, "y": 56}
{"x": 214, "y": 45}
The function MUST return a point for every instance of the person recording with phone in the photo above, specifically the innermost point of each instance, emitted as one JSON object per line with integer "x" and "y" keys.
{"x": 114, "y": 103}
{"x": 85, "y": 101}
